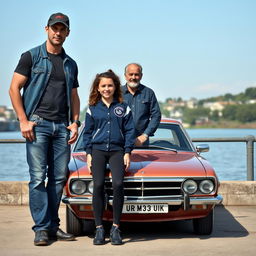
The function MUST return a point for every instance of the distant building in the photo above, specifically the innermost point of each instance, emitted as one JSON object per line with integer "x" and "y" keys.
{"x": 8, "y": 121}
{"x": 176, "y": 114}
{"x": 174, "y": 103}
{"x": 2, "y": 109}
{"x": 214, "y": 106}
{"x": 192, "y": 103}
{"x": 10, "y": 114}
{"x": 252, "y": 101}
{"x": 218, "y": 105}
{"x": 202, "y": 120}
{"x": 168, "y": 107}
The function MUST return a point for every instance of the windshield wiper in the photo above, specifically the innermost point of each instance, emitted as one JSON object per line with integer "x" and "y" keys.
{"x": 160, "y": 147}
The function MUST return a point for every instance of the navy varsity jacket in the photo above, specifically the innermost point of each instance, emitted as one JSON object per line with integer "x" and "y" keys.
{"x": 109, "y": 129}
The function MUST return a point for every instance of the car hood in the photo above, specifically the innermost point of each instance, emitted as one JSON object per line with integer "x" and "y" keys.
{"x": 166, "y": 164}
{"x": 153, "y": 164}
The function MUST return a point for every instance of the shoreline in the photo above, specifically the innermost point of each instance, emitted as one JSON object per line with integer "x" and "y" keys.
{"x": 224, "y": 125}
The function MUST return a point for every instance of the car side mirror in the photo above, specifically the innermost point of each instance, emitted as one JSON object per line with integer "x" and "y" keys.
{"x": 202, "y": 148}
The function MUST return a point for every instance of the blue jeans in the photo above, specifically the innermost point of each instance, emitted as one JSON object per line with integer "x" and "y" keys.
{"x": 47, "y": 156}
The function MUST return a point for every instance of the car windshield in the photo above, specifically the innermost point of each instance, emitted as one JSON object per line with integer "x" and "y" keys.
{"x": 168, "y": 136}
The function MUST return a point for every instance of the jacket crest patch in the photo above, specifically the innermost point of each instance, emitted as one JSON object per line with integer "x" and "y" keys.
{"x": 119, "y": 111}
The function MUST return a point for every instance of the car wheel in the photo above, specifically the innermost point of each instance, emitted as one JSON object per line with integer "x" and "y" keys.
{"x": 204, "y": 226}
{"x": 74, "y": 225}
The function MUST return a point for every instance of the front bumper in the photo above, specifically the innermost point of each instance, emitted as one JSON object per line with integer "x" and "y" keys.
{"x": 209, "y": 200}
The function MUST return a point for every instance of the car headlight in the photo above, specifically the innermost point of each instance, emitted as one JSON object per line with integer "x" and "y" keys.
{"x": 90, "y": 187}
{"x": 190, "y": 186}
{"x": 78, "y": 187}
{"x": 206, "y": 186}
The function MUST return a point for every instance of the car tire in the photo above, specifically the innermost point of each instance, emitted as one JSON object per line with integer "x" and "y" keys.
{"x": 204, "y": 226}
{"x": 73, "y": 224}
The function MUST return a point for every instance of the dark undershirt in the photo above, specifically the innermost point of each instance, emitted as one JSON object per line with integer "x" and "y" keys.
{"x": 53, "y": 103}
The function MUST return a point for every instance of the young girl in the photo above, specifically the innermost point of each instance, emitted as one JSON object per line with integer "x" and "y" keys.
{"x": 109, "y": 136}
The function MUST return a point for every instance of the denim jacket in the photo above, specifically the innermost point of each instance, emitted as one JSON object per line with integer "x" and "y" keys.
{"x": 109, "y": 129}
{"x": 145, "y": 109}
{"x": 40, "y": 73}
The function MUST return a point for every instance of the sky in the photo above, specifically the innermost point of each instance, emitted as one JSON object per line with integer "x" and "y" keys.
{"x": 188, "y": 48}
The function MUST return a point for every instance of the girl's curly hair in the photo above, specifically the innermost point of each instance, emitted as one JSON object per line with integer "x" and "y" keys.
{"x": 95, "y": 96}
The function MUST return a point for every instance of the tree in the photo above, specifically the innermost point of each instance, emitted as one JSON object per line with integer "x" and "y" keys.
{"x": 250, "y": 93}
{"x": 191, "y": 115}
{"x": 165, "y": 113}
{"x": 229, "y": 112}
{"x": 228, "y": 97}
{"x": 167, "y": 99}
{"x": 240, "y": 97}
{"x": 246, "y": 113}
{"x": 215, "y": 115}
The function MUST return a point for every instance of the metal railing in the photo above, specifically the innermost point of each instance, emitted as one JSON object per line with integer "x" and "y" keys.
{"x": 249, "y": 140}
{"x": 9, "y": 141}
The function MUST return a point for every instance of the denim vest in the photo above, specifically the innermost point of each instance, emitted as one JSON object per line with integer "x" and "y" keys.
{"x": 40, "y": 74}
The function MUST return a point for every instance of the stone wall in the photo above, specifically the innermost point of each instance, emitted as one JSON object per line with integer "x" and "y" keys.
{"x": 233, "y": 192}
{"x": 238, "y": 192}
{"x": 14, "y": 192}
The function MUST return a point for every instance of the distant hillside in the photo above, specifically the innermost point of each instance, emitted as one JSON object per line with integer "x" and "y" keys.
{"x": 250, "y": 93}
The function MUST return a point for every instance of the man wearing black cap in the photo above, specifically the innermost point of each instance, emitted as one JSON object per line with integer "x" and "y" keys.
{"x": 48, "y": 112}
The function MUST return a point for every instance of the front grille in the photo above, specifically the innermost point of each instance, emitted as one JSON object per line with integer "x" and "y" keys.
{"x": 148, "y": 187}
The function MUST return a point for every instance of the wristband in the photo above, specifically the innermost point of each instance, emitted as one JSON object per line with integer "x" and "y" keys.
{"x": 77, "y": 122}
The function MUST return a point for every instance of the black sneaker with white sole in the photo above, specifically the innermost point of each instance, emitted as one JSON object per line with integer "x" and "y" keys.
{"x": 115, "y": 236}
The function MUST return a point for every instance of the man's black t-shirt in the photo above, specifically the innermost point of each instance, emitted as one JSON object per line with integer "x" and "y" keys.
{"x": 53, "y": 104}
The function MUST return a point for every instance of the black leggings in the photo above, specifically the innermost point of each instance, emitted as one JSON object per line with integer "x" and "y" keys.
{"x": 116, "y": 163}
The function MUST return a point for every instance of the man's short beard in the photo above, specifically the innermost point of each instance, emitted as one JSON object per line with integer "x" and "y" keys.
{"x": 133, "y": 85}
{"x": 56, "y": 44}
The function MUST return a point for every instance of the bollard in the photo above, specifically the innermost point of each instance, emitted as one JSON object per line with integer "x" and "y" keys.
{"x": 250, "y": 156}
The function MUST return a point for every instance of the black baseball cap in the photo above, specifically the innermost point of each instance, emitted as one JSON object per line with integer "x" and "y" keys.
{"x": 58, "y": 18}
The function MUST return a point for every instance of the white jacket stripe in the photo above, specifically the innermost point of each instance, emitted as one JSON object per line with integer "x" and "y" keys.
{"x": 89, "y": 111}
{"x": 127, "y": 111}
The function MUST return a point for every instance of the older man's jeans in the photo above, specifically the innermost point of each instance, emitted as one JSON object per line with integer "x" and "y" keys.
{"x": 47, "y": 156}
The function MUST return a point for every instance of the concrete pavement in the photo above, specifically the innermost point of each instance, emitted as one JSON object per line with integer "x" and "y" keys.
{"x": 234, "y": 234}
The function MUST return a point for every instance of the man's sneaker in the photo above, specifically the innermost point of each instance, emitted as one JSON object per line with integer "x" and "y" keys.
{"x": 99, "y": 238}
{"x": 115, "y": 236}
{"x": 60, "y": 235}
{"x": 41, "y": 238}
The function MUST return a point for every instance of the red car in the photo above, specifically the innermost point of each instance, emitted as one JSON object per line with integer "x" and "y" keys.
{"x": 167, "y": 180}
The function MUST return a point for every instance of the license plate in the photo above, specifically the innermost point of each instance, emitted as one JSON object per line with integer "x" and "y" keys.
{"x": 145, "y": 208}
